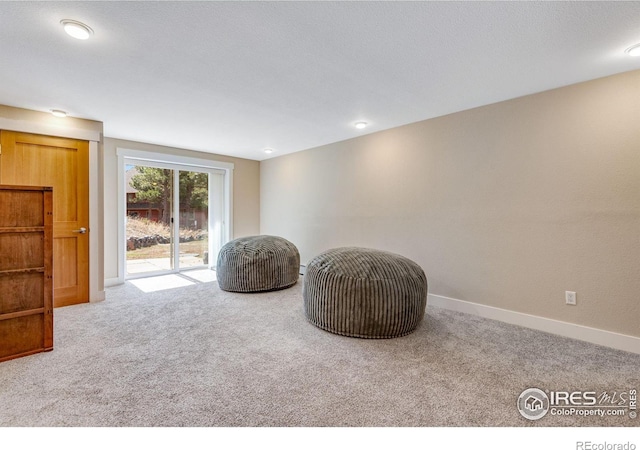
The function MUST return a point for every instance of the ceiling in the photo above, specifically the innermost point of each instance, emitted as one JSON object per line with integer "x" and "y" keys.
{"x": 236, "y": 77}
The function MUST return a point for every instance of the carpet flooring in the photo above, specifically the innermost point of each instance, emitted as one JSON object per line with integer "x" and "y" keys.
{"x": 197, "y": 356}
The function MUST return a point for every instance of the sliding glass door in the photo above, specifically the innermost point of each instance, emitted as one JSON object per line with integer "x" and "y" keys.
{"x": 174, "y": 217}
{"x": 193, "y": 219}
{"x": 149, "y": 220}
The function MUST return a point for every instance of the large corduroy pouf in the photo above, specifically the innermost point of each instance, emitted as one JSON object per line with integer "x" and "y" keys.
{"x": 257, "y": 263}
{"x": 364, "y": 293}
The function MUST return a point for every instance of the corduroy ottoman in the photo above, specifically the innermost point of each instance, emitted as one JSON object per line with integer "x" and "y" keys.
{"x": 257, "y": 263}
{"x": 364, "y": 293}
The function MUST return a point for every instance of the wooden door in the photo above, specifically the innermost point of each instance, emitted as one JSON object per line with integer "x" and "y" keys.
{"x": 34, "y": 160}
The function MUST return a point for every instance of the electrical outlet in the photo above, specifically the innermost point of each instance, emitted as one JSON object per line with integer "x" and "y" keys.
{"x": 570, "y": 297}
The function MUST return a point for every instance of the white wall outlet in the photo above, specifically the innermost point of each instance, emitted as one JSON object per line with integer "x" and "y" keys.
{"x": 570, "y": 297}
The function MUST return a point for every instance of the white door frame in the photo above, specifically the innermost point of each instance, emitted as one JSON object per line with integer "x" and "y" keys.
{"x": 130, "y": 156}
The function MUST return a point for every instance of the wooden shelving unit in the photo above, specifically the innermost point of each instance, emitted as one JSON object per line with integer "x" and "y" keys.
{"x": 26, "y": 262}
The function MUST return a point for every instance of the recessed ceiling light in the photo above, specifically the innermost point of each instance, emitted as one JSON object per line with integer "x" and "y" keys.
{"x": 76, "y": 29}
{"x": 268, "y": 151}
{"x": 361, "y": 125}
{"x": 634, "y": 50}
{"x": 59, "y": 113}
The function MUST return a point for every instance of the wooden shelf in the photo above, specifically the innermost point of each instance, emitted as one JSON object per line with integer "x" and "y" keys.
{"x": 21, "y": 229}
{"x": 26, "y": 267}
{"x": 17, "y": 271}
{"x": 27, "y": 312}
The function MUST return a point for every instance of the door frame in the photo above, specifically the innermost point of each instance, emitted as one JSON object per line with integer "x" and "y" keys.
{"x": 129, "y": 156}
{"x": 58, "y": 128}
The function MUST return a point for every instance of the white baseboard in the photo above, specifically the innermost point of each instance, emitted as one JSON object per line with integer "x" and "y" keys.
{"x": 108, "y": 282}
{"x": 98, "y": 297}
{"x": 593, "y": 335}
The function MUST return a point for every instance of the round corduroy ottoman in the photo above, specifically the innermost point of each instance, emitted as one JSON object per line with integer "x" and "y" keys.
{"x": 257, "y": 263}
{"x": 364, "y": 293}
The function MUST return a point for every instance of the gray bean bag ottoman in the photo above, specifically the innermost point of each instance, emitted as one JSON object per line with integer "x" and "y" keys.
{"x": 257, "y": 263}
{"x": 364, "y": 293}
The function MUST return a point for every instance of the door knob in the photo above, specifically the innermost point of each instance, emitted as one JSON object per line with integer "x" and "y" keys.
{"x": 82, "y": 230}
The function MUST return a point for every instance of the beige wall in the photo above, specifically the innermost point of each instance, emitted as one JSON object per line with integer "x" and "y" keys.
{"x": 246, "y": 194}
{"x": 508, "y": 205}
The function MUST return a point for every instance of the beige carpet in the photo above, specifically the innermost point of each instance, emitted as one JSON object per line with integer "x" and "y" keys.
{"x": 198, "y": 356}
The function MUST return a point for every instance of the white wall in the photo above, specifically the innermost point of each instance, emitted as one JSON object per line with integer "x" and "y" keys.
{"x": 508, "y": 205}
